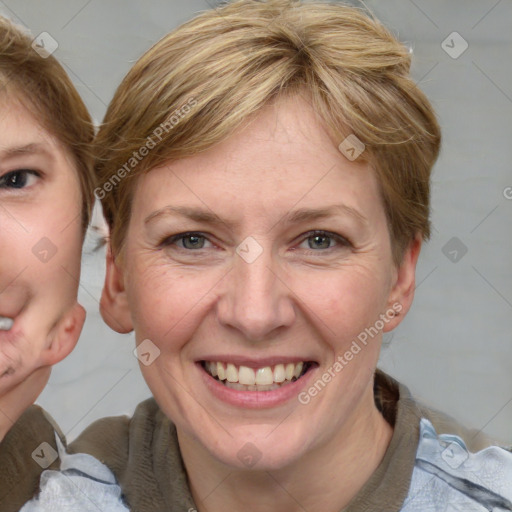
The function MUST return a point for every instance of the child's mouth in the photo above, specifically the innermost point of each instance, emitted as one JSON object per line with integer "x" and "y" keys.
{"x": 268, "y": 378}
{"x": 6, "y": 323}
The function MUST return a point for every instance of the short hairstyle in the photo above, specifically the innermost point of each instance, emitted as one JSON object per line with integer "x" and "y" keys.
{"x": 43, "y": 87}
{"x": 195, "y": 86}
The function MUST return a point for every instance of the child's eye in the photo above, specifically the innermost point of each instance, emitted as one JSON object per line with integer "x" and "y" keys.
{"x": 18, "y": 179}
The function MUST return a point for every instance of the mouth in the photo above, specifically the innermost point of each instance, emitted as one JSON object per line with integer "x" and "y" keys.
{"x": 6, "y": 323}
{"x": 266, "y": 378}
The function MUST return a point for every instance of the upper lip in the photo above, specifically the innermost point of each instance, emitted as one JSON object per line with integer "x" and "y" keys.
{"x": 14, "y": 303}
{"x": 10, "y": 312}
{"x": 251, "y": 362}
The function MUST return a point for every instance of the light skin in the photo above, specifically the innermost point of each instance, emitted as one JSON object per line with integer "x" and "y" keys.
{"x": 40, "y": 203}
{"x": 306, "y": 297}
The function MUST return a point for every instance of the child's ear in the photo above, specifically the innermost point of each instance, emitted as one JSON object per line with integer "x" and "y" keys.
{"x": 402, "y": 293}
{"x": 64, "y": 336}
{"x": 114, "y": 304}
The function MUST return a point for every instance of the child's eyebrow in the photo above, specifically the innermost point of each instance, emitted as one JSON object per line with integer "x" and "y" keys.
{"x": 34, "y": 148}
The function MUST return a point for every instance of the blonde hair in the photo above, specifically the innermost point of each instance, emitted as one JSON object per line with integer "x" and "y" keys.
{"x": 44, "y": 88}
{"x": 226, "y": 64}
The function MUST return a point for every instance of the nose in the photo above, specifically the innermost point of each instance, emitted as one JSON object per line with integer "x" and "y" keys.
{"x": 256, "y": 300}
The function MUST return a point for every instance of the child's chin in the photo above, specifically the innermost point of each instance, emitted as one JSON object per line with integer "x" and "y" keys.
{"x": 10, "y": 375}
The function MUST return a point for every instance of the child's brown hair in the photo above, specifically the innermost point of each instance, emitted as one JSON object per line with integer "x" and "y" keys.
{"x": 43, "y": 87}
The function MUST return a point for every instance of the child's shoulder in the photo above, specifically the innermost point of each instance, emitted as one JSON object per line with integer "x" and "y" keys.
{"x": 82, "y": 483}
{"x": 110, "y": 450}
{"x": 26, "y": 451}
{"x": 110, "y": 439}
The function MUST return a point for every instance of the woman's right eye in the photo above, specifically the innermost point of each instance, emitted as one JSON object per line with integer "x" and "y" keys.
{"x": 18, "y": 179}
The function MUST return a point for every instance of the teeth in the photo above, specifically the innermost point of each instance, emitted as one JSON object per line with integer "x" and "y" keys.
{"x": 288, "y": 371}
{"x": 279, "y": 373}
{"x": 221, "y": 373}
{"x": 264, "y": 376}
{"x": 6, "y": 323}
{"x": 246, "y": 376}
{"x": 249, "y": 379}
{"x": 241, "y": 387}
{"x": 298, "y": 370}
{"x": 231, "y": 373}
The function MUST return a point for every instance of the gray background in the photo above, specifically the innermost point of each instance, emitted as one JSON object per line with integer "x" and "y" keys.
{"x": 454, "y": 349}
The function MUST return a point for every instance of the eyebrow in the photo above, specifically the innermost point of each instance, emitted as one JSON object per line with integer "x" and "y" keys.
{"x": 33, "y": 148}
{"x": 307, "y": 214}
{"x": 195, "y": 214}
{"x": 293, "y": 217}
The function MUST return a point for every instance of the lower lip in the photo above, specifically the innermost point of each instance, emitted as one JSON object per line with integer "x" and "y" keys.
{"x": 255, "y": 399}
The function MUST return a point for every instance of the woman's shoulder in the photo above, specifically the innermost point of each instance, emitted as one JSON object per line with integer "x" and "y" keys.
{"x": 448, "y": 476}
{"x": 451, "y": 467}
{"x": 402, "y": 409}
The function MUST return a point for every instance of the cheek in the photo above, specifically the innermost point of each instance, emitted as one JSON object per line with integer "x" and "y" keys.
{"x": 54, "y": 247}
{"x": 343, "y": 302}
{"x": 55, "y": 215}
{"x": 43, "y": 248}
{"x": 166, "y": 304}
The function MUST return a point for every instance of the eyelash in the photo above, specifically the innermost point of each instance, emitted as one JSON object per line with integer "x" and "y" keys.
{"x": 342, "y": 241}
{"x": 4, "y": 180}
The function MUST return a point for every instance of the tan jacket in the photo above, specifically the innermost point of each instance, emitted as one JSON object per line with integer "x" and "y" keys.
{"x": 144, "y": 455}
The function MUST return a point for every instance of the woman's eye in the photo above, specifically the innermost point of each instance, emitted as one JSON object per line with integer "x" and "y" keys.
{"x": 18, "y": 179}
{"x": 321, "y": 240}
{"x": 187, "y": 241}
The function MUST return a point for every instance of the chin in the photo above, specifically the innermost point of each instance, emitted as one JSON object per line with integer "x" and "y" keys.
{"x": 257, "y": 451}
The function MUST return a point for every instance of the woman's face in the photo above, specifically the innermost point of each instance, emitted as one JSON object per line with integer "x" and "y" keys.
{"x": 40, "y": 249}
{"x": 265, "y": 256}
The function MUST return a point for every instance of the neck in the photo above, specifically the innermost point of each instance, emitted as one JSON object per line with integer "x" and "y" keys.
{"x": 326, "y": 478}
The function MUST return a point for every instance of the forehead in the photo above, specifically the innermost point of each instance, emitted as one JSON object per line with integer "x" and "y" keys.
{"x": 282, "y": 157}
{"x": 17, "y": 120}
{"x": 21, "y": 132}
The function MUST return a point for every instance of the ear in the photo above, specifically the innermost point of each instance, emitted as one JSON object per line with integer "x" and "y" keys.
{"x": 114, "y": 303}
{"x": 402, "y": 293}
{"x": 64, "y": 336}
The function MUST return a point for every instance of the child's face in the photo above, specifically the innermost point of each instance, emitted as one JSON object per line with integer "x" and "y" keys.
{"x": 269, "y": 249}
{"x": 40, "y": 246}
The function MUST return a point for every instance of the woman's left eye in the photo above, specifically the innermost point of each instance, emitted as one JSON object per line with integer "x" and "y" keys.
{"x": 21, "y": 178}
{"x": 322, "y": 240}
{"x": 187, "y": 241}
